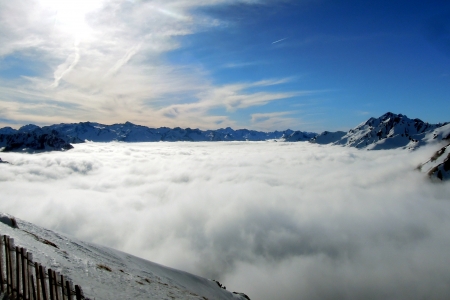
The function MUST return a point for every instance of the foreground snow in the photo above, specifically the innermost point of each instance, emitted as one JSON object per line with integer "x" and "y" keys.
{"x": 105, "y": 273}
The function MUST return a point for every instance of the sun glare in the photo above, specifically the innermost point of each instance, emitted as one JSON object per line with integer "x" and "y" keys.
{"x": 70, "y": 16}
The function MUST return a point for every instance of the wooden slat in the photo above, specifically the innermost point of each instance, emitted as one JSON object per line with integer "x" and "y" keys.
{"x": 18, "y": 281}
{"x": 33, "y": 290}
{"x": 24, "y": 273}
{"x": 51, "y": 287}
{"x": 30, "y": 274}
{"x": 78, "y": 292}
{"x": 38, "y": 286}
{"x": 11, "y": 264}
{"x": 8, "y": 265}
{"x": 55, "y": 279}
{"x": 63, "y": 290}
{"x": 69, "y": 289}
{"x": 43, "y": 286}
{"x": 2, "y": 265}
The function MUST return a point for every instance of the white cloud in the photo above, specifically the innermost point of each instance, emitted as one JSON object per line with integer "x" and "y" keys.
{"x": 104, "y": 61}
{"x": 274, "y": 220}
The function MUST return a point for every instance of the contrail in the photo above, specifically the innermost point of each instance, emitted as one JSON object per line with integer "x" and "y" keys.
{"x": 279, "y": 41}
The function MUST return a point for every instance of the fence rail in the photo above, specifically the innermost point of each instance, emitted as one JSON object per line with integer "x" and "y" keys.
{"x": 21, "y": 278}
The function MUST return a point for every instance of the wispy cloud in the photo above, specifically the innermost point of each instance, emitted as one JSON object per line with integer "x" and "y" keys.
{"x": 104, "y": 62}
{"x": 276, "y": 120}
{"x": 279, "y": 41}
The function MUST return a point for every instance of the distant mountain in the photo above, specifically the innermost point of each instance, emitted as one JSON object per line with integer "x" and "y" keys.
{"x": 33, "y": 140}
{"x": 129, "y": 132}
{"x": 327, "y": 137}
{"x": 390, "y": 131}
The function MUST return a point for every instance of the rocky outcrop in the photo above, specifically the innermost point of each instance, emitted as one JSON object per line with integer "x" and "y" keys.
{"x": 438, "y": 166}
{"x": 36, "y": 140}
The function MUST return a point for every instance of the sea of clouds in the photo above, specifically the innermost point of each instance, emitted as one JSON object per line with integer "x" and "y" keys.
{"x": 273, "y": 220}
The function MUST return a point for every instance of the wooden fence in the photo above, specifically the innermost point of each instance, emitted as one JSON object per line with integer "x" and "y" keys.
{"x": 21, "y": 278}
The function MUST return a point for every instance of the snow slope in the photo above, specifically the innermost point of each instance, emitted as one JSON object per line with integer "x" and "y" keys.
{"x": 105, "y": 273}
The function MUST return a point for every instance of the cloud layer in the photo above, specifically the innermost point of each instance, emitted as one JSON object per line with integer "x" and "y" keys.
{"x": 274, "y": 220}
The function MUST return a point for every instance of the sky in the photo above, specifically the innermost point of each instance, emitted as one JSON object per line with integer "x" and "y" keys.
{"x": 273, "y": 220}
{"x": 257, "y": 64}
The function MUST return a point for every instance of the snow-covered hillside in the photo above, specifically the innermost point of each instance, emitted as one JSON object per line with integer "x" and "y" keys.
{"x": 391, "y": 131}
{"x": 105, "y": 273}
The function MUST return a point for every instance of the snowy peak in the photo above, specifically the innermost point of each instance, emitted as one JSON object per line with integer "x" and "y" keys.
{"x": 388, "y": 132}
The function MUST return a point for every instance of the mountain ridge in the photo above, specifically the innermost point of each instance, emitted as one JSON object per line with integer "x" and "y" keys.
{"x": 389, "y": 131}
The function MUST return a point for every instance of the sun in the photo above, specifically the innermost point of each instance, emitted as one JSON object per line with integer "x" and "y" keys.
{"x": 70, "y": 15}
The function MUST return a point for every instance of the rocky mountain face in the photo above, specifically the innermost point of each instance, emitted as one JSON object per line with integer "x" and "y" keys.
{"x": 327, "y": 137}
{"x": 438, "y": 166}
{"x": 390, "y": 131}
{"x": 34, "y": 140}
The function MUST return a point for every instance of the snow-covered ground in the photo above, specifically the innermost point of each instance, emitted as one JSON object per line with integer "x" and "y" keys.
{"x": 105, "y": 273}
{"x": 272, "y": 220}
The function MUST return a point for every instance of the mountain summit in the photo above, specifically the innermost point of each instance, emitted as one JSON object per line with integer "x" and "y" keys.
{"x": 390, "y": 131}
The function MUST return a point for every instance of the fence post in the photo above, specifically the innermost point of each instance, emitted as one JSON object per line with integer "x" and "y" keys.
{"x": 2, "y": 265}
{"x": 17, "y": 250}
{"x": 38, "y": 287}
{"x": 43, "y": 287}
{"x": 55, "y": 279}
{"x": 24, "y": 273}
{"x": 8, "y": 280}
{"x": 33, "y": 290}
{"x": 50, "y": 284}
{"x": 30, "y": 275}
{"x": 79, "y": 292}
{"x": 69, "y": 289}
{"x": 59, "y": 291}
{"x": 11, "y": 265}
{"x": 63, "y": 291}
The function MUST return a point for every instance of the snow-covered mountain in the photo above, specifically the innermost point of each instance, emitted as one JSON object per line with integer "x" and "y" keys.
{"x": 299, "y": 136}
{"x": 390, "y": 131}
{"x": 105, "y": 273}
{"x": 129, "y": 132}
{"x": 327, "y": 137}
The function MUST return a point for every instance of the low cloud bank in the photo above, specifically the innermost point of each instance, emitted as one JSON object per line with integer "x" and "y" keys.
{"x": 273, "y": 220}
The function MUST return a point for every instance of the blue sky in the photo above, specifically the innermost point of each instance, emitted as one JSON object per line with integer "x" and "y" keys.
{"x": 265, "y": 65}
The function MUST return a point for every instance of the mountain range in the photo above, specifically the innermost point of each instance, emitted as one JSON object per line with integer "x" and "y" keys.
{"x": 390, "y": 131}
